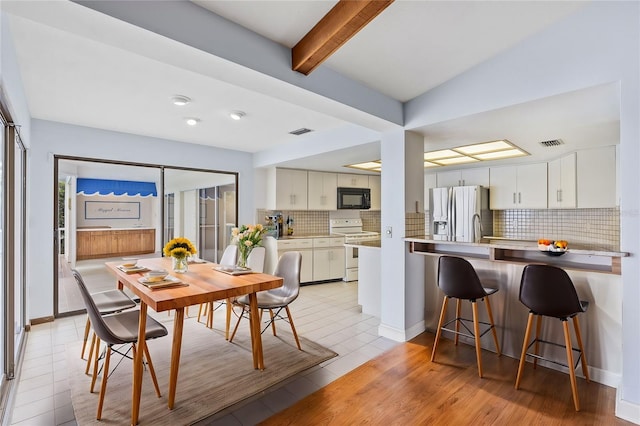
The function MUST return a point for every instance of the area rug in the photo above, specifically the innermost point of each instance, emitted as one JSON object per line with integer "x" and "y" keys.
{"x": 214, "y": 374}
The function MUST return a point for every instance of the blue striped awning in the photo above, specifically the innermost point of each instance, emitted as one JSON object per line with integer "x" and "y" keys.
{"x": 115, "y": 187}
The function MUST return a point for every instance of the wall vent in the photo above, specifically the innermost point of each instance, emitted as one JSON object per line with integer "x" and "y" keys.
{"x": 300, "y": 131}
{"x": 552, "y": 142}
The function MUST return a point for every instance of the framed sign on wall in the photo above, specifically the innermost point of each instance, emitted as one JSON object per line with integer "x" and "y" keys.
{"x": 111, "y": 210}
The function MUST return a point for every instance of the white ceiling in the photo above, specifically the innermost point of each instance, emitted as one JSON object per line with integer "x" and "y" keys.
{"x": 83, "y": 67}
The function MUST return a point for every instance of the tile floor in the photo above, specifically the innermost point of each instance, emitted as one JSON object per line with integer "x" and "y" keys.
{"x": 325, "y": 313}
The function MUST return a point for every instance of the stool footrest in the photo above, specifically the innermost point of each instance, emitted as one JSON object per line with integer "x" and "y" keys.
{"x": 532, "y": 355}
{"x": 470, "y": 333}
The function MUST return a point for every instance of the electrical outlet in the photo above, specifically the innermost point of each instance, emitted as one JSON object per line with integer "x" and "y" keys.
{"x": 388, "y": 232}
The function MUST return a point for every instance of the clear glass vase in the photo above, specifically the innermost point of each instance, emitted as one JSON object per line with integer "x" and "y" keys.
{"x": 243, "y": 255}
{"x": 180, "y": 265}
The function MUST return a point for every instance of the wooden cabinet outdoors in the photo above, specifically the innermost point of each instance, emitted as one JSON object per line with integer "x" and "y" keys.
{"x": 111, "y": 243}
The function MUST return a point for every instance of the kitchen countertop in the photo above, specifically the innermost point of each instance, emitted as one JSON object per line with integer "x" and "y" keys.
{"x": 507, "y": 244}
{"x": 302, "y": 236}
{"x": 369, "y": 243}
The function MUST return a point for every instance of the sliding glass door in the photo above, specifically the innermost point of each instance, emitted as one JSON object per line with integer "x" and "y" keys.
{"x": 12, "y": 247}
{"x": 185, "y": 203}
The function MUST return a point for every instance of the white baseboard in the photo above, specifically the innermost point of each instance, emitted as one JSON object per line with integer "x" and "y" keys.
{"x": 627, "y": 410}
{"x": 400, "y": 335}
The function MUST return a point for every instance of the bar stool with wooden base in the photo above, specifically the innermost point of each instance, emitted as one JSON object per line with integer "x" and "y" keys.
{"x": 548, "y": 291}
{"x": 458, "y": 279}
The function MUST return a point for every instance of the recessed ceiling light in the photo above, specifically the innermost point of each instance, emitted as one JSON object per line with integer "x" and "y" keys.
{"x": 180, "y": 100}
{"x": 192, "y": 121}
{"x": 443, "y": 153}
{"x": 236, "y": 115}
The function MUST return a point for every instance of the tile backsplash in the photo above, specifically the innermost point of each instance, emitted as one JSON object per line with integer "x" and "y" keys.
{"x": 595, "y": 229}
{"x": 315, "y": 222}
{"x": 589, "y": 228}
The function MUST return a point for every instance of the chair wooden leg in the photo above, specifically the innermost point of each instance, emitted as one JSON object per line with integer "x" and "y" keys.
{"x": 293, "y": 328}
{"x": 525, "y": 343}
{"x": 458, "y": 313}
{"x": 236, "y": 327}
{"x": 439, "y": 331}
{"x": 585, "y": 367}
{"x": 87, "y": 327}
{"x": 210, "y": 313}
{"x": 152, "y": 370}
{"x": 103, "y": 387}
{"x": 493, "y": 327}
{"x": 229, "y": 304}
{"x": 536, "y": 345}
{"x": 95, "y": 362}
{"x": 201, "y": 308}
{"x": 91, "y": 350}
{"x": 572, "y": 370}
{"x": 273, "y": 323}
{"x": 476, "y": 332}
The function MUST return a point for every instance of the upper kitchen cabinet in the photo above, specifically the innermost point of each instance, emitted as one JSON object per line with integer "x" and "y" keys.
{"x": 518, "y": 187}
{"x": 464, "y": 177}
{"x": 322, "y": 191}
{"x": 596, "y": 175}
{"x": 348, "y": 180}
{"x": 286, "y": 189}
{"x": 562, "y": 182}
{"x": 375, "y": 186}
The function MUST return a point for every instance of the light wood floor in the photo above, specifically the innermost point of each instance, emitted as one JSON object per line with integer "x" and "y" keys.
{"x": 401, "y": 387}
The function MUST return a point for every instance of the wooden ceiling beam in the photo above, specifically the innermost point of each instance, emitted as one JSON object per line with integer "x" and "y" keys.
{"x": 340, "y": 24}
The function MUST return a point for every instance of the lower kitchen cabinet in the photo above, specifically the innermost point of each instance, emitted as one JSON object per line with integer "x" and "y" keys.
{"x": 305, "y": 247}
{"x": 328, "y": 258}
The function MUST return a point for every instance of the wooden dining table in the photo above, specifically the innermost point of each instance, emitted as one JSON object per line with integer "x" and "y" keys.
{"x": 200, "y": 284}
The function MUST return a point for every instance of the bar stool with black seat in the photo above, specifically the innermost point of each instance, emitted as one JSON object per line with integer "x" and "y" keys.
{"x": 458, "y": 279}
{"x": 548, "y": 291}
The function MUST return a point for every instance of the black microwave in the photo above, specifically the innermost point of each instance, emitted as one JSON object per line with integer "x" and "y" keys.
{"x": 354, "y": 198}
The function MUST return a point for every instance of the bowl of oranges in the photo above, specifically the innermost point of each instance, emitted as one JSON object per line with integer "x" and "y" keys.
{"x": 553, "y": 248}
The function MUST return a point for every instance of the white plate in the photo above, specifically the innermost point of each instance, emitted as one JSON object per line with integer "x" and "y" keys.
{"x": 169, "y": 280}
{"x": 233, "y": 270}
{"x": 131, "y": 270}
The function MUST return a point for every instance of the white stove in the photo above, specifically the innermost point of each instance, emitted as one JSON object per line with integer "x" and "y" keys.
{"x": 353, "y": 233}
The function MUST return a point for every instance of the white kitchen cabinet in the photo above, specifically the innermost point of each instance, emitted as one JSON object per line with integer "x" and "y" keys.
{"x": 305, "y": 247}
{"x": 562, "y": 182}
{"x": 596, "y": 178}
{"x": 464, "y": 177}
{"x": 349, "y": 180}
{"x": 518, "y": 187}
{"x": 375, "y": 186}
{"x": 290, "y": 189}
{"x": 328, "y": 258}
{"x": 322, "y": 194}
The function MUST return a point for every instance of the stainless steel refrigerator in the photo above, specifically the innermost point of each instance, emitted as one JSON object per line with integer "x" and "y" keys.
{"x": 460, "y": 213}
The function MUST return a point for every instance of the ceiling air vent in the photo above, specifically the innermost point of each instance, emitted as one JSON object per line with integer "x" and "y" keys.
{"x": 301, "y": 131}
{"x": 550, "y": 143}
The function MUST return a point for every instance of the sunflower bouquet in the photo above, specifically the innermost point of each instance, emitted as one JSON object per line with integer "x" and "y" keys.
{"x": 179, "y": 248}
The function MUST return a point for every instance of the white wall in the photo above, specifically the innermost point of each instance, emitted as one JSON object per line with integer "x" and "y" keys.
{"x": 597, "y": 45}
{"x": 50, "y": 138}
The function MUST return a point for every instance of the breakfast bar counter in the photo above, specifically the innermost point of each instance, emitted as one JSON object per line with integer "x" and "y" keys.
{"x": 583, "y": 258}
